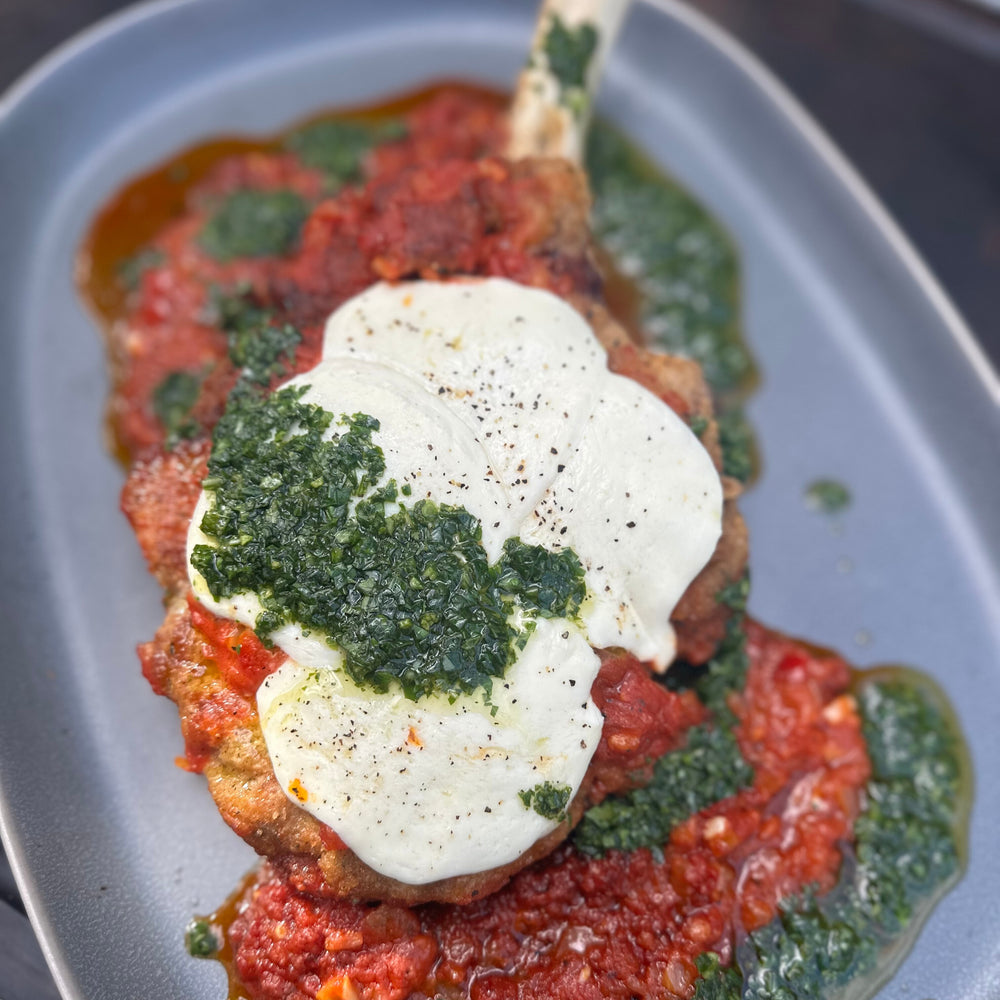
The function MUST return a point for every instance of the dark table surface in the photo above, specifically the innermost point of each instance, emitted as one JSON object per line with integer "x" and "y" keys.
{"x": 910, "y": 91}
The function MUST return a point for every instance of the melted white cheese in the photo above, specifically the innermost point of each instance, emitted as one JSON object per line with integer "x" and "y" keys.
{"x": 428, "y": 790}
{"x": 498, "y": 398}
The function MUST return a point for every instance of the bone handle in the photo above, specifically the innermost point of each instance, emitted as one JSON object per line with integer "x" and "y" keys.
{"x": 551, "y": 107}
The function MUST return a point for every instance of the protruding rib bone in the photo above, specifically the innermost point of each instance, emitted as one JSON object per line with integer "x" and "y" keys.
{"x": 552, "y": 105}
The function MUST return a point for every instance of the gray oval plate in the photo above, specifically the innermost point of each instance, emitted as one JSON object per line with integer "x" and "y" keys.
{"x": 870, "y": 378}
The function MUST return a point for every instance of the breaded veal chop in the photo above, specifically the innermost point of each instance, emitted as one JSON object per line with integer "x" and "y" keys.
{"x": 526, "y": 220}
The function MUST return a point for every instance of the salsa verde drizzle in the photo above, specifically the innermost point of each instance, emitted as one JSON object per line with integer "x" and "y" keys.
{"x": 686, "y": 271}
{"x": 173, "y": 399}
{"x": 708, "y": 768}
{"x": 254, "y": 224}
{"x": 338, "y": 148}
{"x": 568, "y": 52}
{"x": 906, "y": 849}
{"x": 407, "y": 596}
{"x": 547, "y": 799}
{"x": 259, "y": 348}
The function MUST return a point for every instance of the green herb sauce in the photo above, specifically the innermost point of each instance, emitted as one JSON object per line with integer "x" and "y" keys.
{"x": 173, "y": 399}
{"x": 568, "y": 52}
{"x": 698, "y": 425}
{"x": 408, "y": 597}
{"x": 686, "y": 270}
{"x": 709, "y": 767}
{"x": 254, "y": 224}
{"x": 828, "y": 496}
{"x": 131, "y": 269}
{"x": 201, "y": 939}
{"x": 339, "y": 148}
{"x": 259, "y": 348}
{"x": 682, "y": 261}
{"x": 905, "y": 854}
{"x": 547, "y": 799}
{"x": 736, "y": 439}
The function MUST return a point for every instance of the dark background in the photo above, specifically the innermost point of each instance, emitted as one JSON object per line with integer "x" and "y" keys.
{"x": 910, "y": 91}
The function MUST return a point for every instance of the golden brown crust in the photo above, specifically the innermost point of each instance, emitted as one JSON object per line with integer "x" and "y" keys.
{"x": 700, "y": 619}
{"x": 223, "y": 739}
{"x": 159, "y": 498}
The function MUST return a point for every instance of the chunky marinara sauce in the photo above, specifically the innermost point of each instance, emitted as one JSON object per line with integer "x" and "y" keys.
{"x": 784, "y": 849}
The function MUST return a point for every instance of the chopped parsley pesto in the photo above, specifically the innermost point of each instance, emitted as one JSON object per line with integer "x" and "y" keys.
{"x": 254, "y": 224}
{"x": 339, "y": 148}
{"x": 737, "y": 443}
{"x": 828, "y": 496}
{"x": 173, "y": 399}
{"x": 547, "y": 799}
{"x": 259, "y": 347}
{"x": 568, "y": 52}
{"x": 406, "y": 593}
{"x": 726, "y": 671}
{"x": 201, "y": 940}
{"x": 718, "y": 981}
{"x": 698, "y": 425}
{"x": 686, "y": 270}
{"x": 682, "y": 261}
{"x": 709, "y": 767}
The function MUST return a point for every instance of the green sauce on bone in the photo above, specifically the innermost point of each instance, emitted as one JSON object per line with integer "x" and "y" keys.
{"x": 407, "y": 595}
{"x": 547, "y": 799}
{"x": 568, "y": 52}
